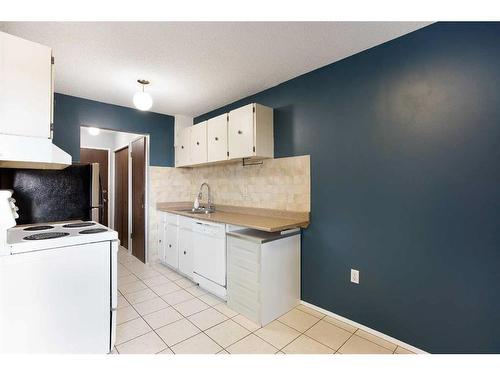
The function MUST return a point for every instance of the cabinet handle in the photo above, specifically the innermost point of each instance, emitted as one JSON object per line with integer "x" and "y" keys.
{"x": 159, "y": 241}
{"x": 240, "y": 132}
{"x": 182, "y": 146}
{"x": 216, "y": 138}
{"x": 197, "y": 143}
{"x": 169, "y": 245}
{"x": 184, "y": 253}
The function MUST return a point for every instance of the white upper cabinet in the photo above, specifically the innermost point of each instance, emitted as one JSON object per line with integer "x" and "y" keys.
{"x": 250, "y": 132}
{"x": 182, "y": 155}
{"x": 198, "y": 144}
{"x": 26, "y": 90}
{"x": 217, "y": 138}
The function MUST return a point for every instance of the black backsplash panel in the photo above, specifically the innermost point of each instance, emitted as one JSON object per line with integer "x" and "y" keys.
{"x": 50, "y": 195}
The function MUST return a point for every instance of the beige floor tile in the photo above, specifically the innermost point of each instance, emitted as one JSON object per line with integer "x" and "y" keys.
{"x": 306, "y": 345}
{"x": 129, "y": 330}
{"x": 146, "y": 273}
{"x": 166, "y": 351}
{"x": 199, "y": 344}
{"x": 210, "y": 299}
{"x": 177, "y": 297}
{"x": 162, "y": 317}
{"x": 173, "y": 276}
{"x": 125, "y": 314}
{"x": 359, "y": 345}
{"x": 310, "y": 311}
{"x": 277, "y": 334}
{"x": 184, "y": 283}
{"x": 191, "y": 307}
{"x": 157, "y": 280}
{"x": 222, "y": 307}
{"x": 149, "y": 343}
{"x": 340, "y": 324}
{"x": 298, "y": 320}
{"x": 134, "y": 286}
{"x": 247, "y": 323}
{"x": 140, "y": 296}
{"x": 196, "y": 291}
{"x": 150, "y": 306}
{"x": 165, "y": 288}
{"x": 227, "y": 333}
{"x": 127, "y": 279}
{"x": 377, "y": 340}
{"x": 177, "y": 331}
{"x": 122, "y": 302}
{"x": 251, "y": 345}
{"x": 400, "y": 350}
{"x": 207, "y": 318}
{"x": 122, "y": 271}
{"x": 328, "y": 334}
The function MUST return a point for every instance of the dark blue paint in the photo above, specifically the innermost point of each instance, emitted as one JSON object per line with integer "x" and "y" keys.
{"x": 404, "y": 141}
{"x": 72, "y": 112}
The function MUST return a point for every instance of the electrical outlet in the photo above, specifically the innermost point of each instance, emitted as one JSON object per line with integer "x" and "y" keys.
{"x": 354, "y": 276}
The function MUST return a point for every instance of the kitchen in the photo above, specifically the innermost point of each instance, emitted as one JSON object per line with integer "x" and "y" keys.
{"x": 314, "y": 206}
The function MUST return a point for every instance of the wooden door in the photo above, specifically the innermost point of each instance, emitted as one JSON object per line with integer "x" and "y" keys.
{"x": 217, "y": 138}
{"x": 92, "y": 155}
{"x": 198, "y": 143}
{"x": 240, "y": 131}
{"x": 138, "y": 198}
{"x": 121, "y": 195}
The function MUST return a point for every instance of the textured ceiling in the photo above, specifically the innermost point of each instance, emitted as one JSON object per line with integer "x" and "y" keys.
{"x": 195, "y": 67}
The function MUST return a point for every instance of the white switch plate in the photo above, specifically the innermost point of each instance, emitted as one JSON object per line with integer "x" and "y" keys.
{"x": 354, "y": 276}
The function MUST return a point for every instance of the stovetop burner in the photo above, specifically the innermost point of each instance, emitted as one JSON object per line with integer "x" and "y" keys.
{"x": 79, "y": 225}
{"x": 45, "y": 236}
{"x": 38, "y": 227}
{"x": 92, "y": 231}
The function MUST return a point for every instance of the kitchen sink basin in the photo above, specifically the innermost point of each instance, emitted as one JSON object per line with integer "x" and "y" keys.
{"x": 201, "y": 211}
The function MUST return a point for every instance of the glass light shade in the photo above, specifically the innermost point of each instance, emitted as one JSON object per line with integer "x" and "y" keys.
{"x": 143, "y": 100}
{"x": 94, "y": 131}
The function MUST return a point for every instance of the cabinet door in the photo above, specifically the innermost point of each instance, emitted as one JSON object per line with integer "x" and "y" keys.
{"x": 185, "y": 252}
{"x": 171, "y": 249}
{"x": 183, "y": 148}
{"x": 241, "y": 132}
{"x": 161, "y": 241}
{"x": 217, "y": 138}
{"x": 26, "y": 87}
{"x": 198, "y": 144}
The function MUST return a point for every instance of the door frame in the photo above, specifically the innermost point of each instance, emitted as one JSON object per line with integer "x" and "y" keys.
{"x": 128, "y": 194}
{"x": 111, "y": 191}
{"x": 146, "y": 192}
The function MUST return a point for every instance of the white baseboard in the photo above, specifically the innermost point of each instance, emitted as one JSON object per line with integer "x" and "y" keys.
{"x": 365, "y": 328}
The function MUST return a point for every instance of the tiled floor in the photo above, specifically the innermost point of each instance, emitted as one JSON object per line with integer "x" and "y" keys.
{"x": 162, "y": 312}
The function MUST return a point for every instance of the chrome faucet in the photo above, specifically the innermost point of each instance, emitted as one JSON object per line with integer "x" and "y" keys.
{"x": 210, "y": 207}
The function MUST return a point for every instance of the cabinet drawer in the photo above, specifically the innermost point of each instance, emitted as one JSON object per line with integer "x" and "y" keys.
{"x": 244, "y": 249}
{"x": 239, "y": 273}
{"x": 236, "y": 259}
{"x": 248, "y": 292}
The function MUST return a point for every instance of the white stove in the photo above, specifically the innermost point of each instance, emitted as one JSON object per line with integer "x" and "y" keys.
{"x": 58, "y": 288}
{"x": 34, "y": 237}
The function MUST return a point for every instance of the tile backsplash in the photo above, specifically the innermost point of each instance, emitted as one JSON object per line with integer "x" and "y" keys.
{"x": 283, "y": 184}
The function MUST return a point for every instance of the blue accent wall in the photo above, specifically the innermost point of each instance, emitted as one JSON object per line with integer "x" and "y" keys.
{"x": 72, "y": 112}
{"x": 404, "y": 141}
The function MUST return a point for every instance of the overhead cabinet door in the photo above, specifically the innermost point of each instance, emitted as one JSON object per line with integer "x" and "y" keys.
{"x": 198, "y": 145}
{"x": 182, "y": 153}
{"x": 241, "y": 132}
{"x": 26, "y": 87}
{"x": 217, "y": 138}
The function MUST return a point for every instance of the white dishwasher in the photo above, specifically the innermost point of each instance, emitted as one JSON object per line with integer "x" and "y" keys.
{"x": 209, "y": 245}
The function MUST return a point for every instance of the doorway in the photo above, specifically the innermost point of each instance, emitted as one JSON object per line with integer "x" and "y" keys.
{"x": 138, "y": 235}
{"x": 93, "y": 155}
{"x": 121, "y": 195}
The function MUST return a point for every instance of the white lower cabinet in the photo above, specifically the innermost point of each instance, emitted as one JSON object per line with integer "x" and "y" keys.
{"x": 263, "y": 273}
{"x": 186, "y": 251}
{"x": 170, "y": 245}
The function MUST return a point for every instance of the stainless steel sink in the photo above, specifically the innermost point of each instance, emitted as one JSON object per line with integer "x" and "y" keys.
{"x": 201, "y": 210}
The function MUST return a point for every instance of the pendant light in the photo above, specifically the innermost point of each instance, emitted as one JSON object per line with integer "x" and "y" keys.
{"x": 143, "y": 100}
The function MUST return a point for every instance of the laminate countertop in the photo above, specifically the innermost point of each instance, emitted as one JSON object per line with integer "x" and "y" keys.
{"x": 256, "y": 218}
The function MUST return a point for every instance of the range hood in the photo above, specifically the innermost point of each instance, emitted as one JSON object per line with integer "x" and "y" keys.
{"x": 31, "y": 153}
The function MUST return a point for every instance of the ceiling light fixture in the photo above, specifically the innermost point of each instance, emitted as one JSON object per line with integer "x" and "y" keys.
{"x": 94, "y": 131}
{"x": 143, "y": 100}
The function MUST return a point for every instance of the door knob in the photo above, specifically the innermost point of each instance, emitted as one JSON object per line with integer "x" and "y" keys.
{"x": 216, "y": 138}
{"x": 240, "y": 132}
{"x": 197, "y": 143}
